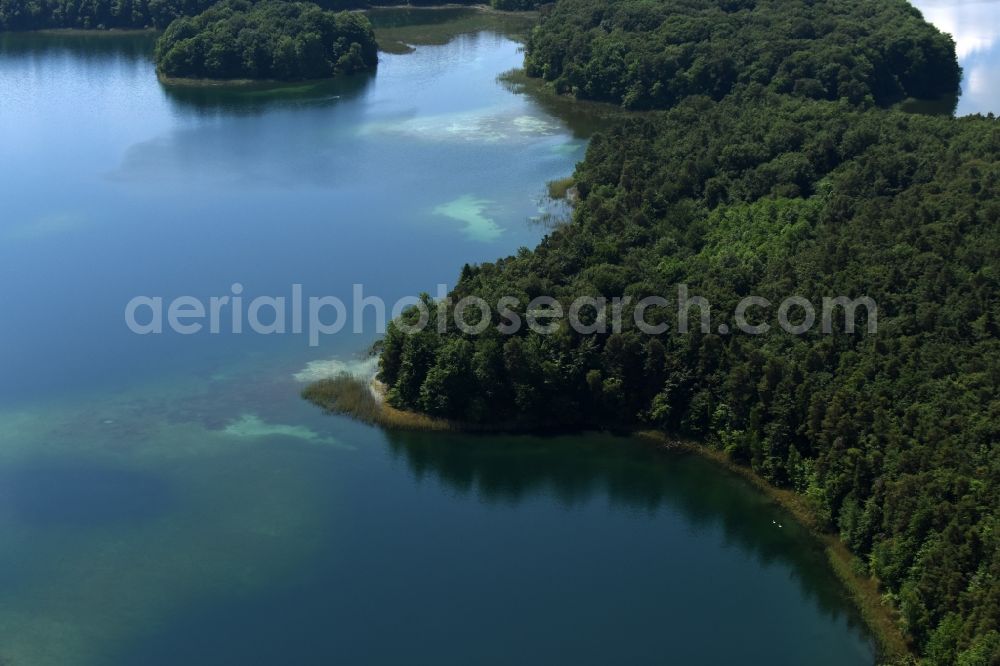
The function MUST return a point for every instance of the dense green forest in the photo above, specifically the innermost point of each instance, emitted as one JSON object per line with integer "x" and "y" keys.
{"x": 121, "y": 14}
{"x": 889, "y": 435}
{"x": 95, "y": 14}
{"x": 653, "y": 53}
{"x": 772, "y": 174}
{"x": 268, "y": 40}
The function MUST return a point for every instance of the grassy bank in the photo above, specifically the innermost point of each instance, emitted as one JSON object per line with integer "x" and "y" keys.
{"x": 559, "y": 189}
{"x": 363, "y": 400}
{"x": 440, "y": 24}
{"x": 243, "y": 84}
{"x": 563, "y": 105}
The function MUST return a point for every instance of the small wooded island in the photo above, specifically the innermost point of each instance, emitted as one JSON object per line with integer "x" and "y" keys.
{"x": 272, "y": 40}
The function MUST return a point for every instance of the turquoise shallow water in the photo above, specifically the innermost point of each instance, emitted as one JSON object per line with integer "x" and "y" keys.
{"x": 170, "y": 499}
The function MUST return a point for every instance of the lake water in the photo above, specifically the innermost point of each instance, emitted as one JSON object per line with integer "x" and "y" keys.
{"x": 170, "y": 499}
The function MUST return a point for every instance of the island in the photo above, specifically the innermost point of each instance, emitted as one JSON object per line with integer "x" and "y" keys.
{"x": 776, "y": 169}
{"x": 272, "y": 40}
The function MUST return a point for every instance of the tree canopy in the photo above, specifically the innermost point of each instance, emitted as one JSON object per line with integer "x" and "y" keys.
{"x": 653, "y": 53}
{"x": 772, "y": 173}
{"x": 268, "y": 40}
{"x": 130, "y": 14}
{"x": 95, "y": 14}
{"x": 889, "y": 435}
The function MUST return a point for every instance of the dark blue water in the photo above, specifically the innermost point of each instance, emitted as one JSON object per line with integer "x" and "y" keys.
{"x": 170, "y": 499}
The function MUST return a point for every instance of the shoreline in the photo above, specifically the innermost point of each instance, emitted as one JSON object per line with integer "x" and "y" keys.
{"x": 91, "y": 32}
{"x": 187, "y": 82}
{"x": 483, "y": 7}
{"x": 149, "y": 30}
{"x": 863, "y": 591}
{"x": 880, "y": 619}
{"x": 890, "y": 643}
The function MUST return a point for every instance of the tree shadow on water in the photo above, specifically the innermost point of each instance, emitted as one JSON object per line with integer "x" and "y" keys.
{"x": 253, "y": 99}
{"x": 632, "y": 475}
{"x": 85, "y": 46}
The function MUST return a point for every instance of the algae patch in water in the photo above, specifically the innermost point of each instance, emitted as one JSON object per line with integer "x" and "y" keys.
{"x": 471, "y": 211}
{"x": 481, "y": 126}
{"x": 333, "y": 367}
{"x": 251, "y": 426}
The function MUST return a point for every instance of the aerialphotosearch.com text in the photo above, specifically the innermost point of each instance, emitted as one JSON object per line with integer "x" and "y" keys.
{"x": 319, "y": 316}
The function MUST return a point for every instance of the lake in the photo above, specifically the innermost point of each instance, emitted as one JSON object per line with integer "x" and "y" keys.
{"x": 169, "y": 499}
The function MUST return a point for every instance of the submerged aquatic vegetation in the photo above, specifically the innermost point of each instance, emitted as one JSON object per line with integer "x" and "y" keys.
{"x": 471, "y": 211}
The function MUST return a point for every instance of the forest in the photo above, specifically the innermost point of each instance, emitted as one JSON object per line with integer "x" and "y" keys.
{"x": 646, "y": 54}
{"x": 135, "y": 14}
{"x": 279, "y": 40}
{"x": 889, "y": 435}
{"x": 95, "y": 14}
{"x": 766, "y": 165}
{"x": 770, "y": 181}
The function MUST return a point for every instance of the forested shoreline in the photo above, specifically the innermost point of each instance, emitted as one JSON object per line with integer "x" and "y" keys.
{"x": 99, "y": 15}
{"x": 158, "y": 14}
{"x": 784, "y": 179}
{"x": 219, "y": 40}
{"x": 767, "y": 165}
